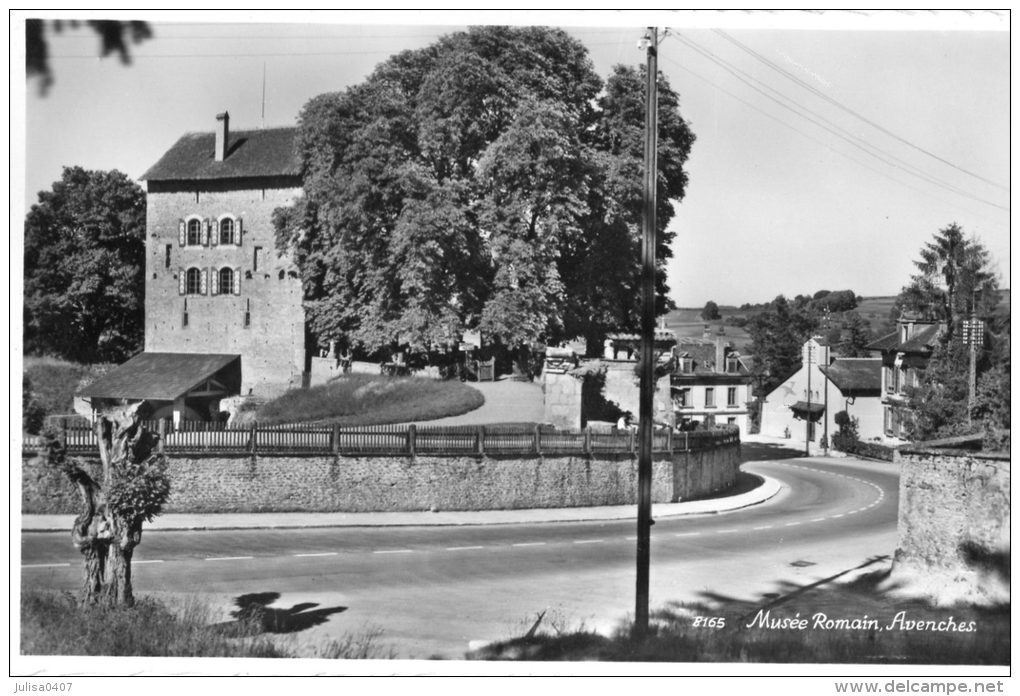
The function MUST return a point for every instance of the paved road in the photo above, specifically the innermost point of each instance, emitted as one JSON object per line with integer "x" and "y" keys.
{"x": 433, "y": 591}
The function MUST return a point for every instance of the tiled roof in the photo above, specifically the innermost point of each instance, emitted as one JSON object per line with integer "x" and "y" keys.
{"x": 252, "y": 153}
{"x": 702, "y": 353}
{"x": 887, "y": 342}
{"x": 855, "y": 374}
{"x": 922, "y": 340}
{"x": 158, "y": 376}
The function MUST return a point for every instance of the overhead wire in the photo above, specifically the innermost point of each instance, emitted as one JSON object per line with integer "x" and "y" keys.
{"x": 822, "y": 95}
{"x": 822, "y": 122}
{"x": 828, "y": 146}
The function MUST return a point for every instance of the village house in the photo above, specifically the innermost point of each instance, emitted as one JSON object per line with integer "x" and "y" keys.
{"x": 804, "y": 406}
{"x": 710, "y": 382}
{"x": 223, "y": 310}
{"x": 905, "y": 354}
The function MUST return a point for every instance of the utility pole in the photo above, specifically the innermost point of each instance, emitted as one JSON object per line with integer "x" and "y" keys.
{"x": 807, "y": 416}
{"x": 648, "y": 223}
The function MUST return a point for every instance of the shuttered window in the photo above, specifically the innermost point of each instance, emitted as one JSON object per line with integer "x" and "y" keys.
{"x": 194, "y": 232}
{"x": 194, "y": 282}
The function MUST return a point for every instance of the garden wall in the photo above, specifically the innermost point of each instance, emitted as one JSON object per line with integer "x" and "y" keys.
{"x": 954, "y": 522}
{"x": 242, "y": 483}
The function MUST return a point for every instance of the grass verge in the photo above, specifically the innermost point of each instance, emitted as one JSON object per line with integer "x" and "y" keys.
{"x": 359, "y": 399}
{"x": 890, "y": 639}
{"x": 54, "y": 624}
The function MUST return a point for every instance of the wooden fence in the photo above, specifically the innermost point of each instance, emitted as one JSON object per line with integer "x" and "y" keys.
{"x": 410, "y": 440}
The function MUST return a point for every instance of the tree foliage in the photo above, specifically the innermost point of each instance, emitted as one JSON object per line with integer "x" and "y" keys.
{"x": 490, "y": 181}
{"x": 777, "y": 337}
{"x": 710, "y": 312}
{"x": 854, "y": 335}
{"x": 114, "y": 38}
{"x": 84, "y": 268}
{"x": 955, "y": 279}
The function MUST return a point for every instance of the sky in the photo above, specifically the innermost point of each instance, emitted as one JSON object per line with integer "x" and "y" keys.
{"x": 830, "y": 145}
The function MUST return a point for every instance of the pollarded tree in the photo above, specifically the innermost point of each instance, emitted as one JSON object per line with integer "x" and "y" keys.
{"x": 129, "y": 488}
{"x": 84, "y": 268}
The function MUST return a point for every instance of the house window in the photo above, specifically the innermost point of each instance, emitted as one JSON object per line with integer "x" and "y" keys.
{"x": 709, "y": 397}
{"x": 732, "y": 364}
{"x": 166, "y": 258}
{"x": 686, "y": 364}
{"x": 682, "y": 398}
{"x": 888, "y": 379}
{"x": 184, "y": 315}
{"x": 731, "y": 396}
{"x": 247, "y": 314}
{"x": 193, "y": 282}
{"x": 901, "y": 379}
{"x": 226, "y": 231}
{"x": 194, "y": 232}
{"x": 226, "y": 280}
{"x": 255, "y": 258}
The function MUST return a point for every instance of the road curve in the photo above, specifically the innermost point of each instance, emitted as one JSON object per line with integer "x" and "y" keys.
{"x": 432, "y": 590}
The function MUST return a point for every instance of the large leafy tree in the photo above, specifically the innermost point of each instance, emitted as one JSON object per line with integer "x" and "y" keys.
{"x": 777, "y": 337}
{"x": 84, "y": 268}
{"x": 489, "y": 181}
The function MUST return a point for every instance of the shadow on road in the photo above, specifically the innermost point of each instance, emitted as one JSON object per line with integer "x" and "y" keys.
{"x": 761, "y": 451}
{"x": 254, "y": 615}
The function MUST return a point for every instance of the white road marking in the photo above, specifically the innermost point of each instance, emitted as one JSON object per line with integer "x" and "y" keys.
{"x": 688, "y": 534}
{"x": 726, "y": 531}
{"x": 47, "y": 565}
{"x": 792, "y": 524}
{"x": 590, "y": 541}
{"x": 531, "y": 543}
{"x": 818, "y": 519}
{"x": 154, "y": 561}
{"x": 313, "y": 555}
{"x": 764, "y": 526}
{"x": 463, "y": 548}
{"x": 395, "y": 551}
{"x": 231, "y": 558}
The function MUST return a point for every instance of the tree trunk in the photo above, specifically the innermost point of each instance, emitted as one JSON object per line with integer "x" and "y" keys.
{"x": 105, "y": 538}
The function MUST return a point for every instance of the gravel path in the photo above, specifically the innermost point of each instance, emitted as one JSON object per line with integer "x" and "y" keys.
{"x": 506, "y": 401}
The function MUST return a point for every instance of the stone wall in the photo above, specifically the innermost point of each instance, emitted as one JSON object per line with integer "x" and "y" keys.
{"x": 272, "y": 345}
{"x": 954, "y": 523}
{"x": 561, "y": 397}
{"x": 361, "y": 484}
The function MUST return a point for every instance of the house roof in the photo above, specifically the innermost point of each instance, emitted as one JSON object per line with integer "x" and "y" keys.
{"x": 252, "y": 153}
{"x": 855, "y": 374}
{"x": 702, "y": 353}
{"x": 887, "y": 342}
{"x": 158, "y": 376}
{"x": 923, "y": 339}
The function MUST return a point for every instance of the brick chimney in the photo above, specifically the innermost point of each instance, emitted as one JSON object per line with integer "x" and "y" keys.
{"x": 720, "y": 354}
{"x": 222, "y": 135}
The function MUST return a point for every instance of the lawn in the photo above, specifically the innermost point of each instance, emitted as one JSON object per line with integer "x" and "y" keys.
{"x": 359, "y": 399}
{"x": 55, "y": 624}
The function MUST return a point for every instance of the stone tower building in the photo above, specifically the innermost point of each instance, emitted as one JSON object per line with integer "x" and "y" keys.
{"x": 214, "y": 281}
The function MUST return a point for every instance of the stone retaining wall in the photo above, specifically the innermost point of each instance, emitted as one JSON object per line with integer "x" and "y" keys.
{"x": 223, "y": 483}
{"x": 954, "y": 518}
